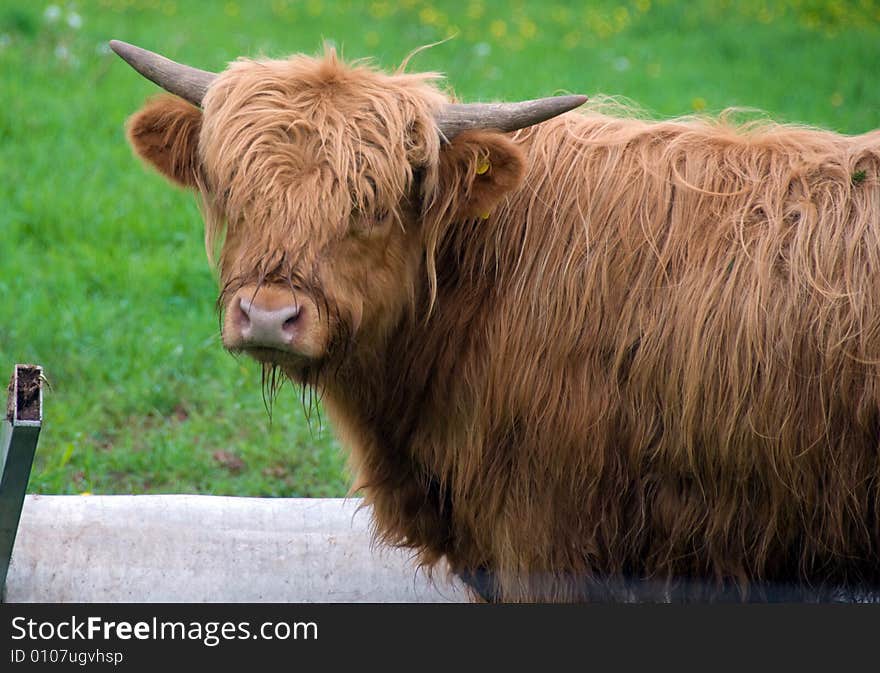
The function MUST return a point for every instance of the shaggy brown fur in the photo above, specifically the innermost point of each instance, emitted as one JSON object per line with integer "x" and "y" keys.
{"x": 657, "y": 359}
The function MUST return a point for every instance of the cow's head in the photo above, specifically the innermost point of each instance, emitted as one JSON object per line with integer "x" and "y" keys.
{"x": 317, "y": 180}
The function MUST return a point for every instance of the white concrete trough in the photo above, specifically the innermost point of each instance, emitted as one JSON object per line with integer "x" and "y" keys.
{"x": 190, "y": 548}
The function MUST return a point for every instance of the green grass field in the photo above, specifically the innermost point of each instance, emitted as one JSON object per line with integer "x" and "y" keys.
{"x": 103, "y": 275}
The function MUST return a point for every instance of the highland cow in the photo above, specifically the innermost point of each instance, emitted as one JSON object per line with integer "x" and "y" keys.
{"x": 571, "y": 352}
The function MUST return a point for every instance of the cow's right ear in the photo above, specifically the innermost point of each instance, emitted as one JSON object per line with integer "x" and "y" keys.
{"x": 165, "y": 133}
{"x": 476, "y": 170}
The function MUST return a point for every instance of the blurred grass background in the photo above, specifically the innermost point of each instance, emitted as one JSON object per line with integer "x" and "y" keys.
{"x": 103, "y": 276}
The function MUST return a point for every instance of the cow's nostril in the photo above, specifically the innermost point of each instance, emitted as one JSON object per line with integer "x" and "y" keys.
{"x": 242, "y": 316}
{"x": 253, "y": 324}
{"x": 292, "y": 318}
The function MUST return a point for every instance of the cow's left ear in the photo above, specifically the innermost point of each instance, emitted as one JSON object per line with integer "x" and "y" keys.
{"x": 165, "y": 133}
{"x": 476, "y": 170}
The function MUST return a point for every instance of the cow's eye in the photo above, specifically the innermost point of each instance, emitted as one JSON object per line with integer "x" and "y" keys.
{"x": 370, "y": 224}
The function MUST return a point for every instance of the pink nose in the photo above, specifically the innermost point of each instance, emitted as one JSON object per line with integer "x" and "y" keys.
{"x": 269, "y": 328}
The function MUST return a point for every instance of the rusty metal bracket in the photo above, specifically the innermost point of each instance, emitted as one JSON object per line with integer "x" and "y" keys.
{"x": 19, "y": 432}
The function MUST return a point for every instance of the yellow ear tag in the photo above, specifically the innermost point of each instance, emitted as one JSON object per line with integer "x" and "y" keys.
{"x": 483, "y": 167}
{"x": 485, "y": 215}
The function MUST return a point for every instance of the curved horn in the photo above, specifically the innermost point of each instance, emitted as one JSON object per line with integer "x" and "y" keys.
{"x": 181, "y": 80}
{"x": 454, "y": 118}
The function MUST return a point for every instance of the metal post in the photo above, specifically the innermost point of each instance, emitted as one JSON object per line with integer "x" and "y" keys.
{"x": 19, "y": 433}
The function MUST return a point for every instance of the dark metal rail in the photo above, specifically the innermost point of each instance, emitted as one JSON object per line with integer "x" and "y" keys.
{"x": 19, "y": 432}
